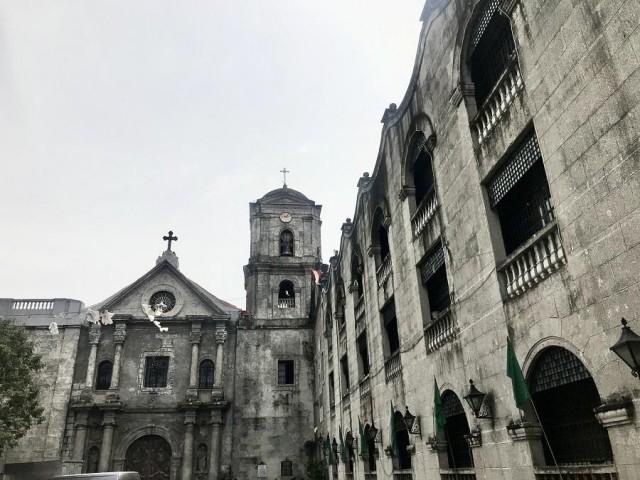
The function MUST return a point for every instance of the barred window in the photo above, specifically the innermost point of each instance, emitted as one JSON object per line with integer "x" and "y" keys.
{"x": 286, "y": 295}
{"x": 493, "y": 50}
{"x": 434, "y": 279}
{"x": 105, "y": 370}
{"x": 286, "y": 468}
{"x": 155, "y": 372}
{"x": 206, "y": 374}
{"x": 519, "y": 193}
{"x": 286, "y": 372}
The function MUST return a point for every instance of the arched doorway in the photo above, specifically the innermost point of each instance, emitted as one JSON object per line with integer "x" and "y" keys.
{"x": 150, "y": 456}
{"x": 565, "y": 395}
{"x": 403, "y": 460}
{"x": 456, "y": 427}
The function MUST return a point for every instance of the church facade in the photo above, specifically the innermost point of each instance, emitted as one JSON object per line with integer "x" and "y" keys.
{"x": 207, "y": 392}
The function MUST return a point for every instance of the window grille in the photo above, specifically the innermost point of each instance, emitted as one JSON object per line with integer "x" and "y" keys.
{"x": 286, "y": 295}
{"x": 434, "y": 261}
{"x": 483, "y": 21}
{"x": 286, "y": 468}
{"x": 156, "y": 369}
{"x": 520, "y": 161}
{"x": 105, "y": 370}
{"x": 206, "y": 374}
{"x": 286, "y": 372}
{"x": 556, "y": 368}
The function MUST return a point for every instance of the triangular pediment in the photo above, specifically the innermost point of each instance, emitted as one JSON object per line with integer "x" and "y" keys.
{"x": 190, "y": 298}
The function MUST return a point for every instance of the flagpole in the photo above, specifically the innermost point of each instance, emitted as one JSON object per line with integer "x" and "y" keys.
{"x": 553, "y": 456}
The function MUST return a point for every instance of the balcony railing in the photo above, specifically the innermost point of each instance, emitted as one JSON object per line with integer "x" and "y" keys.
{"x": 359, "y": 308}
{"x": 370, "y": 476}
{"x": 498, "y": 102}
{"x": 39, "y": 305}
{"x": 538, "y": 258}
{"x": 360, "y": 327}
{"x": 424, "y": 213}
{"x": 365, "y": 387}
{"x": 604, "y": 472}
{"x": 441, "y": 330}
{"x": 384, "y": 270}
{"x": 403, "y": 475}
{"x": 392, "y": 367}
{"x": 286, "y": 303}
{"x": 458, "y": 474}
{"x": 346, "y": 400}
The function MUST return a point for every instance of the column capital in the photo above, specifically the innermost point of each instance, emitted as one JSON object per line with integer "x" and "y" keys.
{"x": 217, "y": 418}
{"x": 190, "y": 418}
{"x": 109, "y": 418}
{"x": 195, "y": 337}
{"x": 94, "y": 334}
{"x": 221, "y": 336}
{"x": 120, "y": 333}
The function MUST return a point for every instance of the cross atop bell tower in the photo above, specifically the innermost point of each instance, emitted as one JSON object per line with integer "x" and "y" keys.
{"x": 169, "y": 255}
{"x": 284, "y": 172}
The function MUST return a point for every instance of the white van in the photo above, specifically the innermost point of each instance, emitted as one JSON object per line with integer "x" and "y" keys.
{"x": 100, "y": 476}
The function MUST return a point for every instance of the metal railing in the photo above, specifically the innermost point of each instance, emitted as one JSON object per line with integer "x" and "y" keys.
{"x": 359, "y": 308}
{"x": 441, "y": 330}
{"x": 370, "y": 475}
{"x": 498, "y": 102}
{"x": 286, "y": 303}
{"x": 458, "y": 474}
{"x": 365, "y": 387}
{"x": 604, "y": 472}
{"x": 384, "y": 270}
{"x": 392, "y": 367}
{"x": 403, "y": 475}
{"x": 534, "y": 261}
{"x": 424, "y": 213}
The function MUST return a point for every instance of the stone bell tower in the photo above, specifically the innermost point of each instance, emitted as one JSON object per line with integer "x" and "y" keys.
{"x": 285, "y": 246}
{"x": 273, "y": 398}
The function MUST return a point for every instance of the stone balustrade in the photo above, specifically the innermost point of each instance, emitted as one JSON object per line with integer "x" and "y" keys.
{"x": 424, "y": 213}
{"x": 286, "y": 303}
{"x": 541, "y": 256}
{"x": 441, "y": 330}
{"x": 457, "y": 474}
{"x": 498, "y": 102}
{"x": 39, "y": 305}
{"x": 384, "y": 271}
{"x": 392, "y": 367}
{"x": 365, "y": 387}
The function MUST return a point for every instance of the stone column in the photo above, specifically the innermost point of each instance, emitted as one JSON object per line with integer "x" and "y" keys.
{"x": 119, "y": 336}
{"x": 215, "y": 442}
{"x": 94, "y": 339}
{"x": 108, "y": 424}
{"x": 195, "y": 353}
{"x": 187, "y": 454}
{"x": 81, "y": 434}
{"x": 221, "y": 337}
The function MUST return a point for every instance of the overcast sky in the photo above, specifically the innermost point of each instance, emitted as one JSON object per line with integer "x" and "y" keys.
{"x": 120, "y": 120}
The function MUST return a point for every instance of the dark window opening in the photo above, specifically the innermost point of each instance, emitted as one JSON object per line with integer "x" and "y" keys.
{"x": 519, "y": 193}
{"x": 286, "y": 468}
{"x": 363, "y": 353}
{"x": 456, "y": 427}
{"x": 206, "y": 374}
{"x": 344, "y": 367}
{"x": 155, "y": 372}
{"x": 403, "y": 460}
{"x": 286, "y": 372}
{"x": 422, "y": 176}
{"x": 356, "y": 276}
{"x": 391, "y": 328}
{"x": 286, "y": 295}
{"x": 370, "y": 459}
{"x": 565, "y": 395}
{"x": 383, "y": 241}
{"x": 434, "y": 278}
{"x": 105, "y": 370}
{"x": 491, "y": 56}
{"x": 332, "y": 391}
{"x": 286, "y": 243}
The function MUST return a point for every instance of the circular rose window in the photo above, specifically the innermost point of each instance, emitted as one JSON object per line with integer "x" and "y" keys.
{"x": 163, "y": 301}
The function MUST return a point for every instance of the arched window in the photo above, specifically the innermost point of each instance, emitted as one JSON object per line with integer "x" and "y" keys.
{"x": 206, "y": 374}
{"x": 492, "y": 50}
{"x": 105, "y": 369}
{"x": 420, "y": 164}
{"x": 565, "y": 395}
{"x": 456, "y": 427}
{"x": 356, "y": 276}
{"x": 380, "y": 237}
{"x": 286, "y": 243}
{"x": 403, "y": 460}
{"x": 370, "y": 458}
{"x": 286, "y": 295}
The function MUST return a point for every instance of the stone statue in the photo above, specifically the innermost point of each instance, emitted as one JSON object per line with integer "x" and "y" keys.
{"x": 201, "y": 458}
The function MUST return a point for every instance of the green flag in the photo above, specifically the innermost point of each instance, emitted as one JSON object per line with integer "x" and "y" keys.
{"x": 328, "y": 452}
{"x": 437, "y": 410}
{"x": 392, "y": 432}
{"x": 343, "y": 449}
{"x": 519, "y": 384}
{"x": 364, "y": 446}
